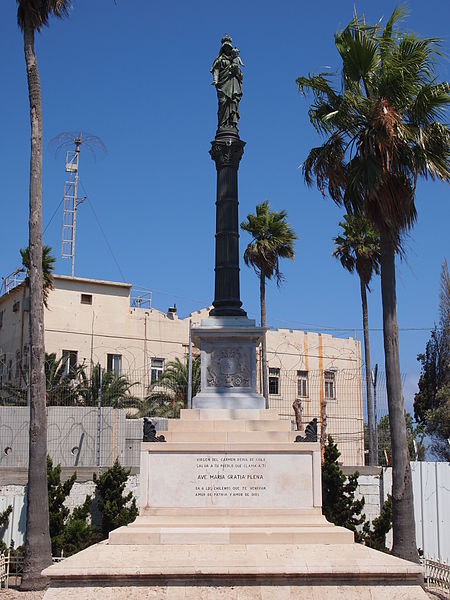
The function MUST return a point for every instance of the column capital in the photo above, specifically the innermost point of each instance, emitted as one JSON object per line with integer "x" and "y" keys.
{"x": 227, "y": 151}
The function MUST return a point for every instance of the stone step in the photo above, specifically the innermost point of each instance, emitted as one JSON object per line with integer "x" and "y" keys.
{"x": 205, "y": 520}
{"x": 220, "y": 414}
{"x": 231, "y": 437}
{"x": 230, "y": 535}
{"x": 229, "y": 425}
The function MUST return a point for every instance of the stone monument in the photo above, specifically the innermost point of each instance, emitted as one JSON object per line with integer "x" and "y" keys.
{"x": 230, "y": 504}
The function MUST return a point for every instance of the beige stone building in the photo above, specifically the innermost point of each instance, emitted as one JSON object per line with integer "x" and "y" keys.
{"x": 91, "y": 321}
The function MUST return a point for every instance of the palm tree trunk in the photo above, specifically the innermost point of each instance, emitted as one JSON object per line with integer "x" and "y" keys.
{"x": 404, "y": 535}
{"x": 370, "y": 421}
{"x": 265, "y": 377}
{"x": 37, "y": 544}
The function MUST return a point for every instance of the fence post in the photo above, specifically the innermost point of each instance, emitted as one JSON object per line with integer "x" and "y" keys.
{"x": 189, "y": 391}
{"x": 99, "y": 413}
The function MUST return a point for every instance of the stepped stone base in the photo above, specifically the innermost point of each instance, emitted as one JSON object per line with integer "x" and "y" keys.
{"x": 234, "y": 572}
{"x": 230, "y": 509}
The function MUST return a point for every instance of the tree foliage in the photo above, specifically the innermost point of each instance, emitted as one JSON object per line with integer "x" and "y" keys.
{"x": 4, "y": 520}
{"x": 115, "y": 389}
{"x": 116, "y": 508}
{"x": 69, "y": 532}
{"x": 375, "y": 535}
{"x": 272, "y": 239}
{"x": 169, "y": 394}
{"x": 416, "y": 447}
{"x": 385, "y": 127}
{"x": 338, "y": 495}
{"x": 48, "y": 266}
{"x": 432, "y": 402}
{"x": 358, "y": 247}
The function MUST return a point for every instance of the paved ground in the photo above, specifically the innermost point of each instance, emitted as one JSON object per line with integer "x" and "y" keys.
{"x": 16, "y": 595}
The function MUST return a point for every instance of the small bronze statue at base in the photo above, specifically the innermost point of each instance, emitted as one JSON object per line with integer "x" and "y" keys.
{"x": 150, "y": 432}
{"x": 310, "y": 431}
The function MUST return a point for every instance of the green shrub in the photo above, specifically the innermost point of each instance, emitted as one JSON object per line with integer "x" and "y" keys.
{"x": 116, "y": 509}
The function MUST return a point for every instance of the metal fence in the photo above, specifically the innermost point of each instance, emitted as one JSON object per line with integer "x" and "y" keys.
{"x": 437, "y": 574}
{"x": 11, "y": 568}
{"x": 94, "y": 419}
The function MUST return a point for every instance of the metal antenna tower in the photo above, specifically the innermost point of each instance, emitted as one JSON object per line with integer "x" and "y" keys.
{"x": 71, "y": 200}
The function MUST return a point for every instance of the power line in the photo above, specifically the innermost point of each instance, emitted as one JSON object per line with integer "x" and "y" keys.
{"x": 52, "y": 217}
{"x": 103, "y": 232}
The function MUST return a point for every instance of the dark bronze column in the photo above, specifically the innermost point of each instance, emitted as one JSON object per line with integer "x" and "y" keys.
{"x": 226, "y": 151}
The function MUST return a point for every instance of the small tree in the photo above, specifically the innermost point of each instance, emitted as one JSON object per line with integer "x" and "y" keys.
{"x": 4, "y": 520}
{"x": 69, "y": 532}
{"x": 117, "y": 509}
{"x": 375, "y": 537}
{"x": 339, "y": 504}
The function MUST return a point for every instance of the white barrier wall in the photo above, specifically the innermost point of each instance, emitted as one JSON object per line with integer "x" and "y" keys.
{"x": 431, "y": 488}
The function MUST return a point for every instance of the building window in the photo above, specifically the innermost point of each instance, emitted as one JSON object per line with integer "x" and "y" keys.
{"x": 114, "y": 364}
{"x": 9, "y": 370}
{"x": 330, "y": 385}
{"x": 157, "y": 368}
{"x": 69, "y": 360}
{"x": 86, "y": 298}
{"x": 16, "y": 306}
{"x": 274, "y": 381}
{"x": 1, "y": 318}
{"x": 302, "y": 384}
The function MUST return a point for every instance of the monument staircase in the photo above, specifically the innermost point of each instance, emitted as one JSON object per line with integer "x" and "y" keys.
{"x": 256, "y": 532}
{"x": 229, "y": 436}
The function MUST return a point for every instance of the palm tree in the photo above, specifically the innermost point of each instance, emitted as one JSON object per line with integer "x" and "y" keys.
{"x": 359, "y": 249}
{"x": 170, "y": 393}
{"x": 32, "y": 15}
{"x": 48, "y": 266}
{"x": 272, "y": 239}
{"x": 61, "y": 383}
{"x": 383, "y": 132}
{"x": 115, "y": 389}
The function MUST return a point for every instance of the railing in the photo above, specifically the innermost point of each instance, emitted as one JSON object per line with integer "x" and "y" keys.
{"x": 437, "y": 575}
{"x": 12, "y": 565}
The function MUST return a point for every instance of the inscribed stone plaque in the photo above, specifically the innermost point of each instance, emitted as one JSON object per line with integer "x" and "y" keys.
{"x": 230, "y": 480}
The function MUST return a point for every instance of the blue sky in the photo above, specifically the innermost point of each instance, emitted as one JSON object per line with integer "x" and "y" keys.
{"x": 137, "y": 75}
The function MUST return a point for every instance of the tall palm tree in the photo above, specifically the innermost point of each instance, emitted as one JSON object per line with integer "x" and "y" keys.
{"x": 32, "y": 15}
{"x": 358, "y": 249}
{"x": 272, "y": 239}
{"x": 384, "y": 129}
{"x": 170, "y": 393}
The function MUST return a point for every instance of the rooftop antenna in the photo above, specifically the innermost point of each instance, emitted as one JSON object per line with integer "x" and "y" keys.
{"x": 71, "y": 200}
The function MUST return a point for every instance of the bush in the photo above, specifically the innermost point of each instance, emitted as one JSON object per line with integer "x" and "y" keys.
{"x": 69, "y": 532}
{"x": 339, "y": 504}
{"x": 116, "y": 509}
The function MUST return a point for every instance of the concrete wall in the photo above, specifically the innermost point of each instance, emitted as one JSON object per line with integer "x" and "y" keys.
{"x": 72, "y": 436}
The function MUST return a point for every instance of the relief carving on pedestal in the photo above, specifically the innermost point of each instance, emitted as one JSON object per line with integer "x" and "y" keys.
{"x": 228, "y": 367}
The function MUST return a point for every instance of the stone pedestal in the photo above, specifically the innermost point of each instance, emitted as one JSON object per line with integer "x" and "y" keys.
{"x": 228, "y": 363}
{"x": 230, "y": 508}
